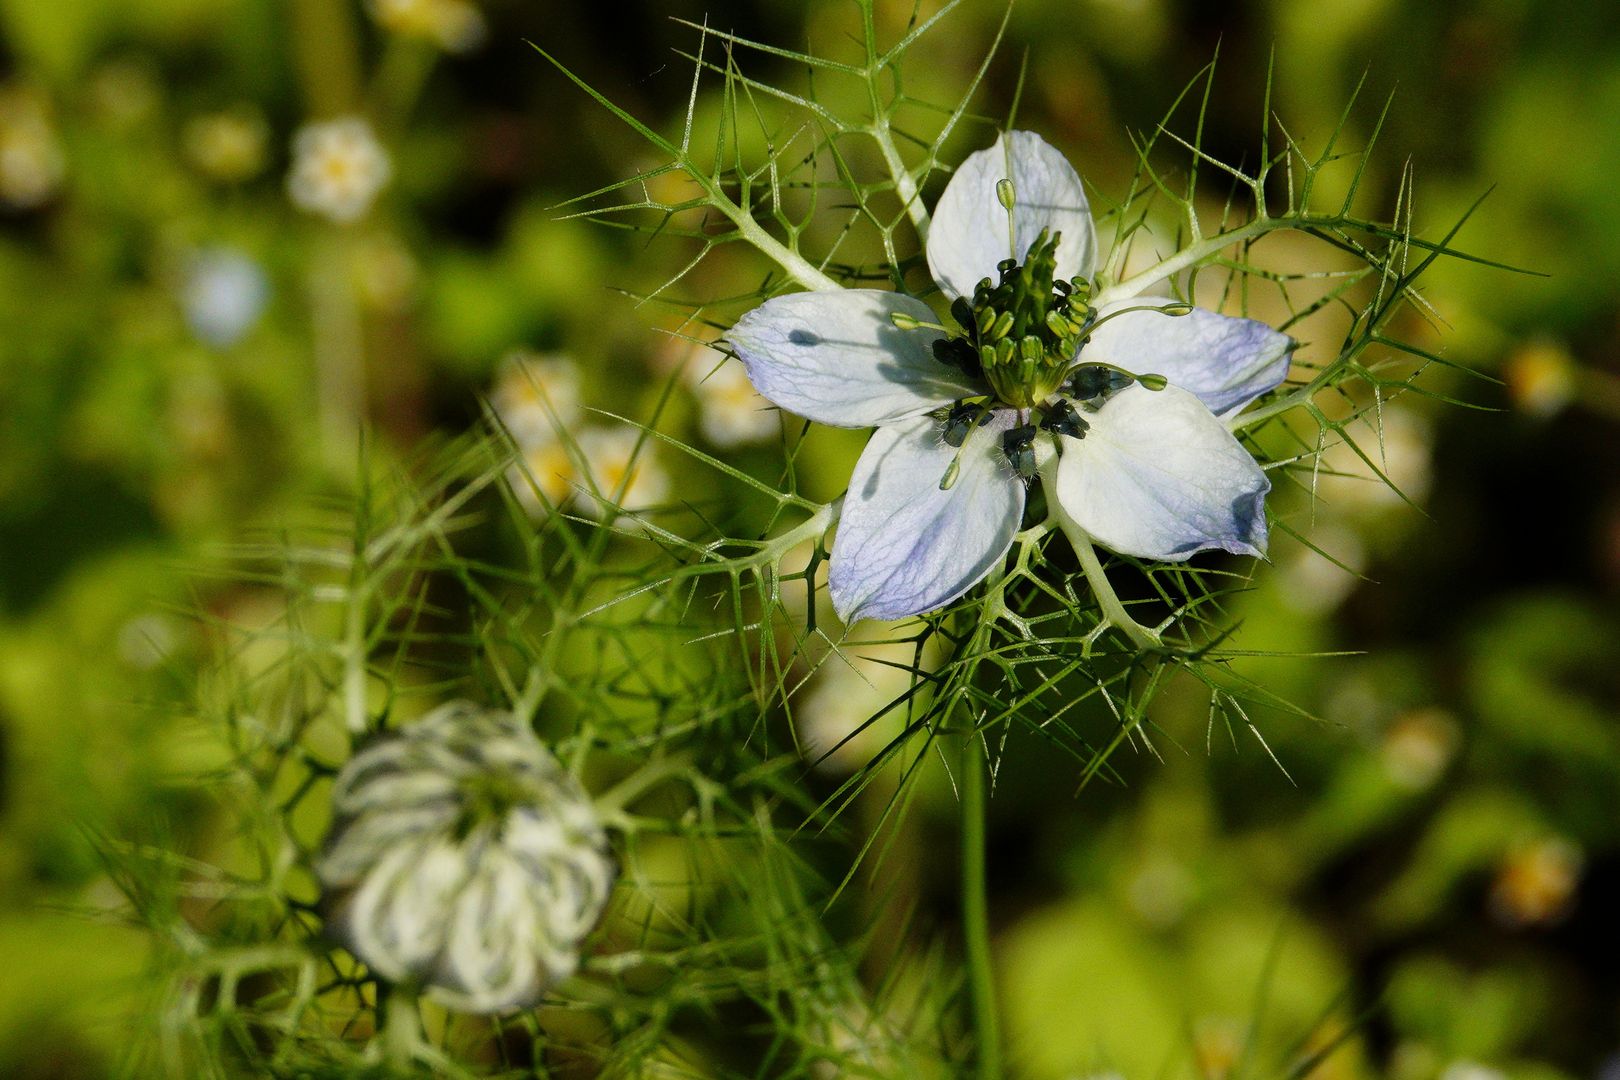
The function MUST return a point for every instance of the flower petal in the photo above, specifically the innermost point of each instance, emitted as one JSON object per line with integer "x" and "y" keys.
{"x": 1227, "y": 362}
{"x": 1159, "y": 477}
{"x": 838, "y": 358}
{"x": 903, "y": 545}
{"x": 969, "y": 234}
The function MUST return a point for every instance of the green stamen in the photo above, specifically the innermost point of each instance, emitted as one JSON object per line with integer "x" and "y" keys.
{"x": 1026, "y": 328}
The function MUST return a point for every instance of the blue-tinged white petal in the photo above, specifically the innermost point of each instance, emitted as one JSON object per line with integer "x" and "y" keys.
{"x": 1227, "y": 362}
{"x": 904, "y": 546}
{"x": 1158, "y": 476}
{"x": 838, "y": 358}
{"x": 969, "y": 234}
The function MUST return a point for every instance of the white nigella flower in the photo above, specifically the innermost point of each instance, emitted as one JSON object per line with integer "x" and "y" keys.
{"x": 465, "y": 860}
{"x": 338, "y": 169}
{"x": 1119, "y": 408}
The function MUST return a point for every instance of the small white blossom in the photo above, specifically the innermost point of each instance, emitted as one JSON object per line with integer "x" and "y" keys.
{"x": 465, "y": 859}
{"x": 31, "y": 160}
{"x": 1536, "y": 882}
{"x": 730, "y": 411}
{"x": 454, "y": 25}
{"x": 1119, "y": 408}
{"x": 536, "y": 396}
{"x": 854, "y": 707}
{"x": 1400, "y": 444}
{"x": 223, "y": 295}
{"x": 1313, "y": 583}
{"x": 1471, "y": 1070}
{"x": 1541, "y": 378}
{"x": 1418, "y": 746}
{"x": 620, "y": 473}
{"x": 544, "y": 477}
{"x": 338, "y": 169}
{"x": 229, "y": 146}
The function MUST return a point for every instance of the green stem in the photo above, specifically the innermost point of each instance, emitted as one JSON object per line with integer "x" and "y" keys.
{"x": 800, "y": 268}
{"x": 976, "y": 910}
{"x": 1108, "y": 602}
{"x": 327, "y": 54}
{"x": 1188, "y": 257}
{"x": 402, "y": 1027}
{"x": 340, "y": 362}
{"x": 905, "y": 186}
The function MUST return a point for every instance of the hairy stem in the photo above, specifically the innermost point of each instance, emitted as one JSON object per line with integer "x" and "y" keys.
{"x": 976, "y": 910}
{"x": 1107, "y": 598}
{"x": 812, "y": 528}
{"x": 1189, "y": 257}
{"x": 797, "y": 266}
{"x": 1113, "y": 611}
{"x": 905, "y": 186}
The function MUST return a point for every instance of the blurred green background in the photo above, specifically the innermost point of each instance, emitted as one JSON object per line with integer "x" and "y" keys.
{"x": 185, "y": 355}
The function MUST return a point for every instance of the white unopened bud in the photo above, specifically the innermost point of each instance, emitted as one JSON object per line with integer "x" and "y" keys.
{"x": 465, "y": 860}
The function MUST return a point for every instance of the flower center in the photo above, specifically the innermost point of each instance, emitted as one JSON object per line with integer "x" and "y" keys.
{"x": 1021, "y": 334}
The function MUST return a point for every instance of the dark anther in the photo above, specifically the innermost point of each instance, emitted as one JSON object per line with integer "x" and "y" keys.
{"x": 1019, "y": 446}
{"x": 1094, "y": 380}
{"x": 960, "y": 422}
{"x": 958, "y": 353}
{"x": 1090, "y": 382}
{"x": 1062, "y": 419}
{"x": 962, "y": 312}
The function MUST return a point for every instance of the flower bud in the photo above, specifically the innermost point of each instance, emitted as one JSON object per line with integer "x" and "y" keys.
{"x": 464, "y": 859}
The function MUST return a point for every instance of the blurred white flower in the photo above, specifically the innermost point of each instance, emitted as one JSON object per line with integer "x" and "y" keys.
{"x": 536, "y": 396}
{"x": 223, "y": 295}
{"x": 454, "y": 25}
{"x": 338, "y": 169}
{"x": 464, "y": 858}
{"x": 31, "y": 160}
{"x": 837, "y": 719}
{"x": 1471, "y": 1070}
{"x": 385, "y": 272}
{"x": 730, "y": 411}
{"x": 228, "y": 146}
{"x": 1418, "y": 746}
{"x": 126, "y": 92}
{"x": 1160, "y": 890}
{"x": 620, "y": 474}
{"x": 1540, "y": 378}
{"x": 147, "y": 641}
{"x": 1536, "y": 882}
{"x": 1399, "y": 442}
{"x": 1217, "y": 1047}
{"x": 1313, "y": 584}
{"x": 544, "y": 477}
